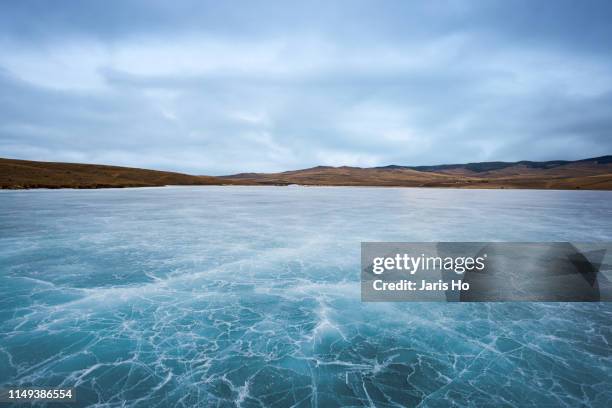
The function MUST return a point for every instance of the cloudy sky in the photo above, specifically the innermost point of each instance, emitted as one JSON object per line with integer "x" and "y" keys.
{"x": 222, "y": 87}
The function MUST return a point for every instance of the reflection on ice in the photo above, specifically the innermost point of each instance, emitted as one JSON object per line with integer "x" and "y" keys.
{"x": 239, "y": 296}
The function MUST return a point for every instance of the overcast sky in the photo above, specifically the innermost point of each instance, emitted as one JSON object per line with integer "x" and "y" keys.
{"x": 225, "y": 86}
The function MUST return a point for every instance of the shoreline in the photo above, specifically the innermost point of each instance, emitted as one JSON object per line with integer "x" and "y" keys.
{"x": 298, "y": 185}
{"x": 587, "y": 174}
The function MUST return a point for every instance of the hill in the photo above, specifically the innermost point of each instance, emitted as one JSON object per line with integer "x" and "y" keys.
{"x": 19, "y": 174}
{"x": 590, "y": 174}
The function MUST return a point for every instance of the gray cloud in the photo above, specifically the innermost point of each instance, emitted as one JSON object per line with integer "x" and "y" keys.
{"x": 223, "y": 87}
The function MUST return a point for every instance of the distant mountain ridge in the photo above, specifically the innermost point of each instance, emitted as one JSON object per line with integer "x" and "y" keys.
{"x": 592, "y": 174}
{"x": 497, "y": 165}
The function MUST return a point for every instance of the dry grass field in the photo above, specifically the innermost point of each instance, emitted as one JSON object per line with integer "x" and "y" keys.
{"x": 588, "y": 174}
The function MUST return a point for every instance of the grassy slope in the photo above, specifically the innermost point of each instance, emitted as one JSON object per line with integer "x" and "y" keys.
{"x": 32, "y": 174}
{"x": 573, "y": 175}
{"x": 585, "y": 174}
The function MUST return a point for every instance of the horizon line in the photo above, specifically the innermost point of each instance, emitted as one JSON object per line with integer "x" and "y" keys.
{"x": 560, "y": 161}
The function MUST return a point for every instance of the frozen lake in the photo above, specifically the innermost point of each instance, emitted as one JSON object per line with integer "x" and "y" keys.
{"x": 249, "y": 296}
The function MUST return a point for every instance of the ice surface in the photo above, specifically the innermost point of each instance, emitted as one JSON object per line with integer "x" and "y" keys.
{"x": 249, "y": 296}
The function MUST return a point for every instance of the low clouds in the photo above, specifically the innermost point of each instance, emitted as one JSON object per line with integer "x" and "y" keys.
{"x": 217, "y": 89}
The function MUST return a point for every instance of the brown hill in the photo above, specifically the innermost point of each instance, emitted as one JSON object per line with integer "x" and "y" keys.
{"x": 590, "y": 174}
{"x": 345, "y": 176}
{"x": 18, "y": 174}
